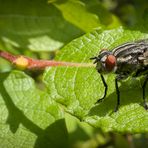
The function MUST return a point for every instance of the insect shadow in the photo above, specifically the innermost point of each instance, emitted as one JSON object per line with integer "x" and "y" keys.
{"x": 130, "y": 94}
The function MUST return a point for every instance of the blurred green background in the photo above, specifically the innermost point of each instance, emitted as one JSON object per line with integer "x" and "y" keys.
{"x": 40, "y": 28}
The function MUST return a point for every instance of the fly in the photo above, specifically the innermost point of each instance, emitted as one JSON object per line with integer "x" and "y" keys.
{"x": 129, "y": 59}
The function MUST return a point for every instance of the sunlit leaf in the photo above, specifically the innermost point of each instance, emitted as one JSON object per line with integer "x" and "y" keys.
{"x": 79, "y": 88}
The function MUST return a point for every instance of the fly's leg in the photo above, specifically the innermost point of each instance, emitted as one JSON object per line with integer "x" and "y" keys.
{"x": 105, "y": 92}
{"x": 118, "y": 94}
{"x": 144, "y": 90}
{"x": 119, "y": 77}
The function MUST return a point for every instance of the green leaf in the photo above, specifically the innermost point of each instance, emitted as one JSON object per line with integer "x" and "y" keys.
{"x": 86, "y": 15}
{"x": 29, "y": 118}
{"x": 79, "y": 88}
{"x": 34, "y": 25}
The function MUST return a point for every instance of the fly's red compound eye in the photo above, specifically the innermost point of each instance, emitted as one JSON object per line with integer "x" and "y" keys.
{"x": 110, "y": 62}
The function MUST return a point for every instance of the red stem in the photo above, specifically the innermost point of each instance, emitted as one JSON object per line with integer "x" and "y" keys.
{"x": 41, "y": 64}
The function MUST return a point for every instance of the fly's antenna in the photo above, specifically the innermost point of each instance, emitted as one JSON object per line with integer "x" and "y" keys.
{"x": 95, "y": 58}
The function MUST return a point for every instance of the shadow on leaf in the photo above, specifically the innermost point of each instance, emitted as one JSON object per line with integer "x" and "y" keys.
{"x": 45, "y": 137}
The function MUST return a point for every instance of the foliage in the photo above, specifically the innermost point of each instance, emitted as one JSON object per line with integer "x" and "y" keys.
{"x": 36, "y": 112}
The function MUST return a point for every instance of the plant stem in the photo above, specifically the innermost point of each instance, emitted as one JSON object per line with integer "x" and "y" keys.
{"x": 31, "y": 64}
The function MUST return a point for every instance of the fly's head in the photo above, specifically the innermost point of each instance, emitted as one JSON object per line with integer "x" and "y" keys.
{"x": 105, "y": 62}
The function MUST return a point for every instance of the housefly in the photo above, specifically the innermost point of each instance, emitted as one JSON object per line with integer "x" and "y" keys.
{"x": 129, "y": 59}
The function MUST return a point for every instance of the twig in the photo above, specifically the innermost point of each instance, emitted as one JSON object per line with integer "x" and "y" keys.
{"x": 31, "y": 64}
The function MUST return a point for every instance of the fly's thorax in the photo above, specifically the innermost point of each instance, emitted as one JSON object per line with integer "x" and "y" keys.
{"x": 106, "y": 62}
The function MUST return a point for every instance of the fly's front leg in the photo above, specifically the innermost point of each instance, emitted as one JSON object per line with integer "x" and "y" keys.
{"x": 144, "y": 90}
{"x": 118, "y": 94}
{"x": 106, "y": 87}
{"x": 118, "y": 77}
